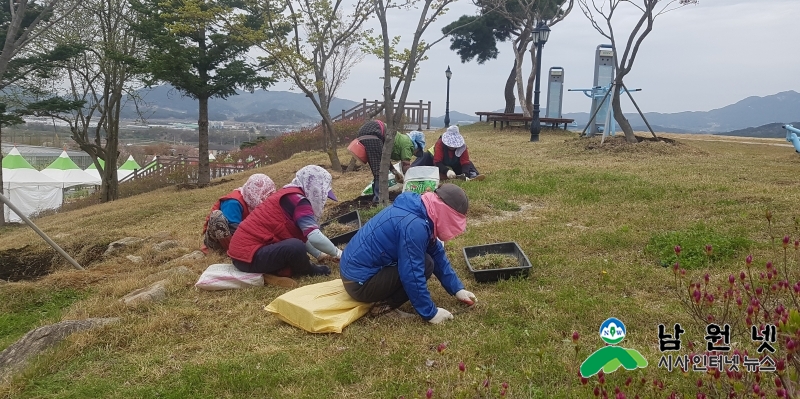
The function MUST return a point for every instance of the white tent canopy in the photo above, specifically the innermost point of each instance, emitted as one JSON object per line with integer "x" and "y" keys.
{"x": 93, "y": 172}
{"x": 127, "y": 168}
{"x": 66, "y": 172}
{"x": 27, "y": 188}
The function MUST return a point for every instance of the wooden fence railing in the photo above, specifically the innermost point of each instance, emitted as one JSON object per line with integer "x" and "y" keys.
{"x": 185, "y": 169}
{"x": 418, "y": 114}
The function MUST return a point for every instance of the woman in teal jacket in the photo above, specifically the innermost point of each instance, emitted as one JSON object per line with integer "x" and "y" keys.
{"x": 389, "y": 260}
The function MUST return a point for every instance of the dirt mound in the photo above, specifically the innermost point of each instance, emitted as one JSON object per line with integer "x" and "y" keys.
{"x": 645, "y": 145}
{"x": 25, "y": 264}
{"x": 28, "y": 263}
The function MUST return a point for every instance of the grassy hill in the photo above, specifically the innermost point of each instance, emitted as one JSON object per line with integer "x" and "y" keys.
{"x": 597, "y": 222}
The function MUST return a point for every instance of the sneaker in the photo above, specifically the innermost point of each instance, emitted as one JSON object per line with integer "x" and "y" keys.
{"x": 286, "y": 282}
{"x": 320, "y": 270}
{"x": 380, "y": 309}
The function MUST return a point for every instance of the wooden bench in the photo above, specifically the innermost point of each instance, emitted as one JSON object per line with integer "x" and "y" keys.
{"x": 506, "y": 119}
{"x": 492, "y": 114}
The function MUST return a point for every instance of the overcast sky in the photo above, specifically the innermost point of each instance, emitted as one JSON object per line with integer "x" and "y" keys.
{"x": 697, "y": 58}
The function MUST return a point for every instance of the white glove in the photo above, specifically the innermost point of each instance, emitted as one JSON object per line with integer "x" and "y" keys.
{"x": 451, "y": 174}
{"x": 441, "y": 315}
{"x": 338, "y": 254}
{"x": 466, "y": 297}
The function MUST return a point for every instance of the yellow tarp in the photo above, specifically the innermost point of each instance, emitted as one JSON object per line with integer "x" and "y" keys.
{"x": 318, "y": 308}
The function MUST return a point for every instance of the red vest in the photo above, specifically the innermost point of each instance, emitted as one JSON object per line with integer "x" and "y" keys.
{"x": 267, "y": 224}
{"x": 235, "y": 195}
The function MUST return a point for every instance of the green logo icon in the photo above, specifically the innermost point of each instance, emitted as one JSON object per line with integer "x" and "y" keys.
{"x": 611, "y": 357}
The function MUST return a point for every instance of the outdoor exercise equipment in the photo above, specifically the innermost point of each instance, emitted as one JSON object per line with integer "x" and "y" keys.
{"x": 791, "y": 136}
{"x": 602, "y": 119}
{"x": 555, "y": 92}
{"x": 600, "y": 95}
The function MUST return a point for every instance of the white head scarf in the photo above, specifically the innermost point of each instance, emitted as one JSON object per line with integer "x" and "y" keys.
{"x": 316, "y": 185}
{"x": 453, "y": 139}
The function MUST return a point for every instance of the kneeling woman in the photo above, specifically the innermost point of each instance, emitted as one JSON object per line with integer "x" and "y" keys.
{"x": 232, "y": 209}
{"x": 274, "y": 239}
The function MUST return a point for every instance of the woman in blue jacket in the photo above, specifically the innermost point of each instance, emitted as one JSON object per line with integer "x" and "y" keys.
{"x": 390, "y": 259}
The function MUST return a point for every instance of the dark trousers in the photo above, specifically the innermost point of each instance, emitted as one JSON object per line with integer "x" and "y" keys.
{"x": 384, "y": 286}
{"x": 469, "y": 169}
{"x": 427, "y": 160}
{"x": 375, "y": 185}
{"x": 272, "y": 258}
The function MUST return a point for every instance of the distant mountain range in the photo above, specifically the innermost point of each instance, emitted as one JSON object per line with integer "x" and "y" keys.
{"x": 751, "y": 116}
{"x": 261, "y": 106}
{"x": 771, "y": 130}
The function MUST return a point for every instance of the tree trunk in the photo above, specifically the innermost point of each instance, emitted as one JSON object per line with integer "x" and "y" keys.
{"x": 352, "y": 165}
{"x": 531, "y": 79}
{"x": 109, "y": 186}
{"x": 619, "y": 116}
{"x": 519, "y": 51}
{"x": 509, "y": 90}
{"x": 2, "y": 187}
{"x": 329, "y": 135}
{"x": 203, "y": 176}
{"x": 388, "y": 105}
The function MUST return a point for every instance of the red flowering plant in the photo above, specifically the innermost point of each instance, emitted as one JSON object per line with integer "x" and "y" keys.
{"x": 761, "y": 307}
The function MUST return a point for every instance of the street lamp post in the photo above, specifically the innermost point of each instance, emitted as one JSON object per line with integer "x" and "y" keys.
{"x": 540, "y": 36}
{"x": 447, "y": 104}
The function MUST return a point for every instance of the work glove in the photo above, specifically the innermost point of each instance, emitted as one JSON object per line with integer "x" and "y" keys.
{"x": 338, "y": 254}
{"x": 451, "y": 174}
{"x": 467, "y": 297}
{"x": 322, "y": 256}
{"x": 441, "y": 315}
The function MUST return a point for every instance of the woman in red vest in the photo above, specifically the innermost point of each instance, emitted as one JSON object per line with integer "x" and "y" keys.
{"x": 232, "y": 209}
{"x": 275, "y": 238}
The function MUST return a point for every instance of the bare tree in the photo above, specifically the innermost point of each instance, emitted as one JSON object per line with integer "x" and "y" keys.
{"x": 318, "y": 61}
{"x": 102, "y": 79}
{"x": 600, "y": 14}
{"x": 21, "y": 23}
{"x": 401, "y": 65}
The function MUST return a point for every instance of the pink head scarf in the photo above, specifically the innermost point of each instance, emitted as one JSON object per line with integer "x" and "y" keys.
{"x": 316, "y": 185}
{"x": 257, "y": 188}
{"x": 447, "y": 222}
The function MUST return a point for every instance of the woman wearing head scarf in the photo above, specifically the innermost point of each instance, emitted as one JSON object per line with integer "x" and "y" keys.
{"x": 450, "y": 155}
{"x": 372, "y": 135}
{"x": 274, "y": 239}
{"x": 390, "y": 259}
{"x": 407, "y": 145}
{"x": 232, "y": 209}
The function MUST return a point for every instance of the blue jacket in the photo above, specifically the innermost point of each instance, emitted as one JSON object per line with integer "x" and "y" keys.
{"x": 400, "y": 236}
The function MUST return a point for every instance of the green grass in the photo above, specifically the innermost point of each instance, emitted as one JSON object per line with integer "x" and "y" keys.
{"x": 693, "y": 243}
{"x": 595, "y": 224}
{"x": 24, "y": 309}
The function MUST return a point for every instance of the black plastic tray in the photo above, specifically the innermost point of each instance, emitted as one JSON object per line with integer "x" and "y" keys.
{"x": 504, "y": 248}
{"x": 344, "y": 238}
{"x": 344, "y": 219}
